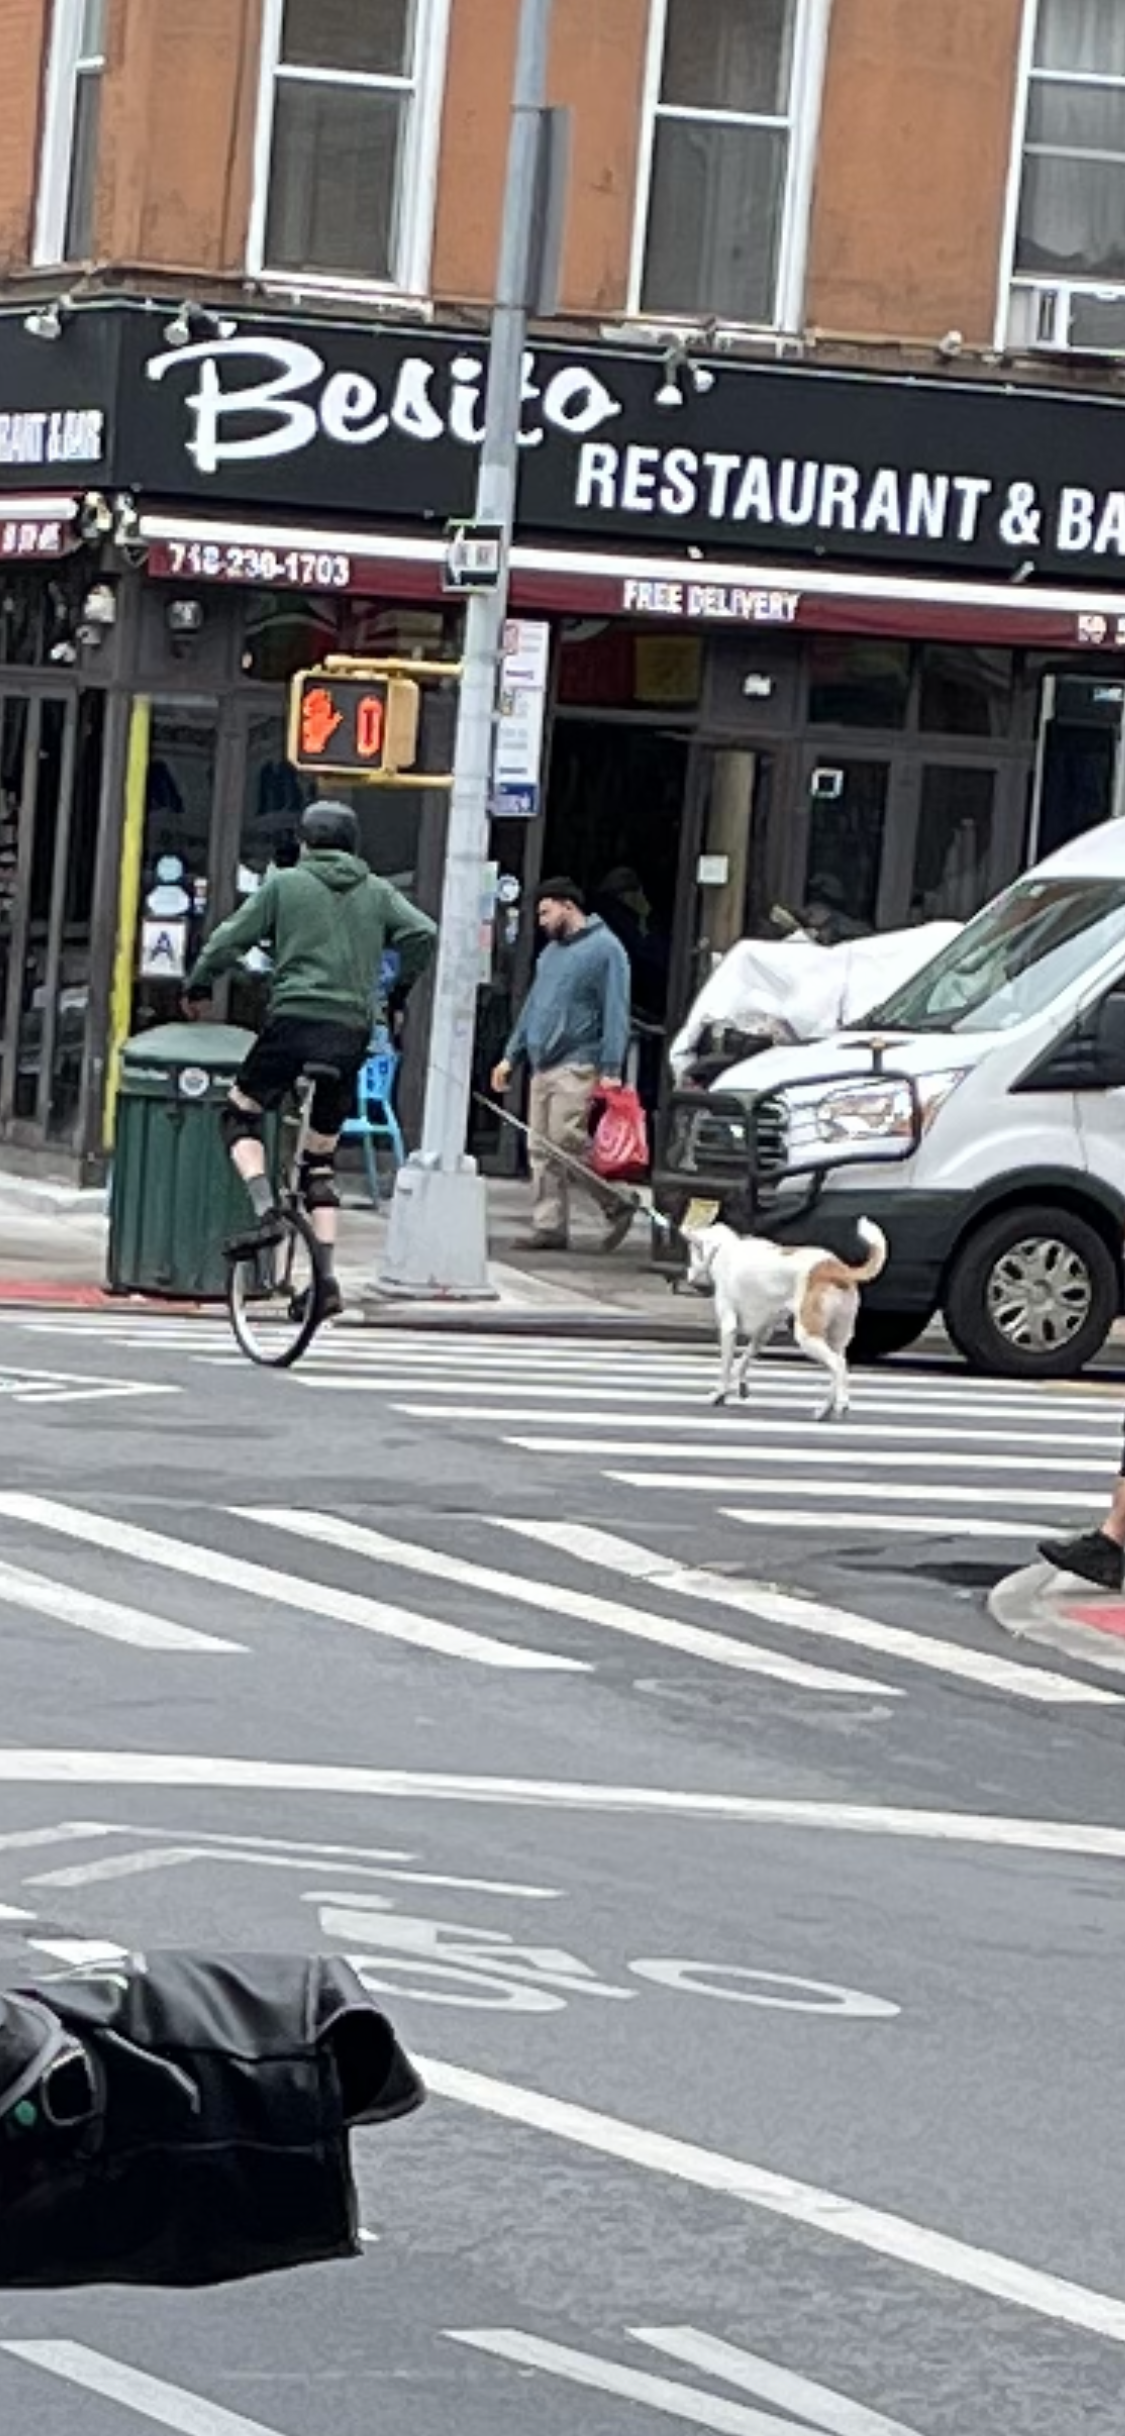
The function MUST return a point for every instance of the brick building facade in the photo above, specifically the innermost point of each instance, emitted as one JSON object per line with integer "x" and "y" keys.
{"x": 820, "y": 525}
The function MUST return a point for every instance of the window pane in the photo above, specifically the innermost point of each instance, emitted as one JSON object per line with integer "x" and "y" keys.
{"x": 951, "y": 859}
{"x": 334, "y": 180}
{"x": 729, "y": 55}
{"x": 1071, "y": 221}
{"x": 1077, "y": 118}
{"x": 78, "y": 241}
{"x": 846, "y": 851}
{"x": 715, "y": 220}
{"x": 858, "y": 684}
{"x": 373, "y": 37}
{"x": 1085, "y": 36}
{"x": 967, "y": 690}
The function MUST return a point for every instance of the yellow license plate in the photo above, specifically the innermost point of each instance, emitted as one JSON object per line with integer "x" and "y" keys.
{"x": 698, "y": 1215}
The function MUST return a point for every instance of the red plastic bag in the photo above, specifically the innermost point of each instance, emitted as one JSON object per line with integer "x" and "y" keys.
{"x": 619, "y": 1151}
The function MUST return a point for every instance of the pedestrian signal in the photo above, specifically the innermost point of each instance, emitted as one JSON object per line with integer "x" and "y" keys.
{"x": 353, "y": 726}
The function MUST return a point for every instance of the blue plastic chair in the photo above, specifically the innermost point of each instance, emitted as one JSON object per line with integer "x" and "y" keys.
{"x": 375, "y": 1120}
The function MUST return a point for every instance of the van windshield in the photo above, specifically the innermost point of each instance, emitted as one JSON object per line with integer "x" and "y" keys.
{"x": 1013, "y": 960}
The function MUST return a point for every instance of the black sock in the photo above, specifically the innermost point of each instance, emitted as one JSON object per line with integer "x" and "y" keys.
{"x": 261, "y": 1195}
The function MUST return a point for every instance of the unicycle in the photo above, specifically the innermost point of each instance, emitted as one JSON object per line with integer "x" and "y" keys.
{"x": 274, "y": 1298}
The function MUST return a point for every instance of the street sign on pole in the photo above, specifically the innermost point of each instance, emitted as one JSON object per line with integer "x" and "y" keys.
{"x": 474, "y": 558}
{"x": 437, "y": 1238}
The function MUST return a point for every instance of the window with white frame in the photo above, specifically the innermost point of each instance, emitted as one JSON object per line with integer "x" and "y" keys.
{"x": 347, "y": 140}
{"x": 734, "y": 88}
{"x": 1071, "y": 219}
{"x": 64, "y": 229}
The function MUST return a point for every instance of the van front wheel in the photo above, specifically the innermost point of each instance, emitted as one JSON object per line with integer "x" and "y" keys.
{"x": 1033, "y": 1295}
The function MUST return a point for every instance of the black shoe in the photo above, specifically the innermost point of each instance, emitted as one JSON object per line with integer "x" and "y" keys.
{"x": 1091, "y": 1557}
{"x": 538, "y": 1243}
{"x": 330, "y": 1301}
{"x": 260, "y": 1236}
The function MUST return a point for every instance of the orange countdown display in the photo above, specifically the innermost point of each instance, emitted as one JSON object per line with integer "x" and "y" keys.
{"x": 355, "y": 726}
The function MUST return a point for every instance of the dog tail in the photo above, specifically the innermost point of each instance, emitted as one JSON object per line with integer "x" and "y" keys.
{"x": 843, "y": 1273}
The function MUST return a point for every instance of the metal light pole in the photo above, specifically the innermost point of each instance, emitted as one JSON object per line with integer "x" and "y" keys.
{"x": 437, "y": 1240}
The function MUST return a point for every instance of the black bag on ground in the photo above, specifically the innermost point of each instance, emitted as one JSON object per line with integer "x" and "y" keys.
{"x": 183, "y": 2118}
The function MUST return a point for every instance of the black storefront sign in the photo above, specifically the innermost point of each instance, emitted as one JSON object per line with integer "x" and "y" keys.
{"x": 56, "y": 403}
{"x": 329, "y": 421}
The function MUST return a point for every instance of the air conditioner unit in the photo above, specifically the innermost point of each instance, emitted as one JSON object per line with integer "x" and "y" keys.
{"x": 1064, "y": 319}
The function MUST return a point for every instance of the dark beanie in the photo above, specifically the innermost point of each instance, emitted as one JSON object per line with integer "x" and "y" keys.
{"x": 566, "y": 892}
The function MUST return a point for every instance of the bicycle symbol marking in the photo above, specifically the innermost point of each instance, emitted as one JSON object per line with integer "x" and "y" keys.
{"x": 443, "y": 1962}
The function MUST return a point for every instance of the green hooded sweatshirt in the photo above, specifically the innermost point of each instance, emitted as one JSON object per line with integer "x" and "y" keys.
{"x": 324, "y": 925}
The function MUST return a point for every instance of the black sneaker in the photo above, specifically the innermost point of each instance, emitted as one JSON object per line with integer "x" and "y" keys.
{"x": 1091, "y": 1557}
{"x": 261, "y": 1235}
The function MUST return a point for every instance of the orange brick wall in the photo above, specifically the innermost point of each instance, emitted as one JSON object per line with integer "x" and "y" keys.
{"x": 912, "y": 167}
{"x": 597, "y": 66}
{"x": 23, "y": 35}
{"x": 176, "y": 154}
{"x": 909, "y": 187}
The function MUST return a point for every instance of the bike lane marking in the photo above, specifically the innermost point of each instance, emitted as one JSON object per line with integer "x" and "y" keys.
{"x": 816, "y": 2210}
{"x": 162, "y": 1771}
{"x": 171, "y": 2406}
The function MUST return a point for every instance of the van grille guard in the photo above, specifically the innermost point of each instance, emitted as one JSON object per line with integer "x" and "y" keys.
{"x": 727, "y": 1145}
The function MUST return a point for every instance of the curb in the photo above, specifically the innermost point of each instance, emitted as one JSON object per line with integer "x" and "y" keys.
{"x": 1055, "y": 1609}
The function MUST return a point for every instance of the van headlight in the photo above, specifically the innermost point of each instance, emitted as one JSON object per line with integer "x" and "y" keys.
{"x": 873, "y": 1112}
{"x": 882, "y": 1109}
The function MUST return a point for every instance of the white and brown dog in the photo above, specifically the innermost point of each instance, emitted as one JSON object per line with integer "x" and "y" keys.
{"x": 759, "y": 1284}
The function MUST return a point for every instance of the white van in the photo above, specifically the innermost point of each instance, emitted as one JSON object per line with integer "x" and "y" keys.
{"x": 978, "y": 1116}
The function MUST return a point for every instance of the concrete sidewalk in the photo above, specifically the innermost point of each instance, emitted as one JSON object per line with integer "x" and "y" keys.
{"x": 53, "y": 1250}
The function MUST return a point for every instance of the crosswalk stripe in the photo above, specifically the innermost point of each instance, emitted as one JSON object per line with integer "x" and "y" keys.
{"x": 67, "y": 1604}
{"x": 595, "y": 1412}
{"x": 211, "y": 1565}
{"x": 835, "y": 1456}
{"x": 549, "y": 1389}
{"x": 741, "y": 1443}
{"x": 824, "y": 2410}
{"x": 171, "y": 2406}
{"x": 718, "y": 1648}
{"x": 609, "y": 1552}
{"x": 841, "y": 1490}
{"x": 686, "y": 2403}
{"x": 748, "y": 1426}
{"x": 919, "y": 1526}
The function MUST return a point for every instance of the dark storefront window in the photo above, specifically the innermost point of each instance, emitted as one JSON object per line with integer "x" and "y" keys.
{"x": 966, "y": 690}
{"x": 846, "y": 845}
{"x": 616, "y": 667}
{"x": 858, "y": 684}
{"x": 176, "y": 862}
{"x": 953, "y": 852}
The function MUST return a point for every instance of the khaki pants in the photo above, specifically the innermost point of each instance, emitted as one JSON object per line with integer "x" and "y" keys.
{"x": 558, "y": 1110}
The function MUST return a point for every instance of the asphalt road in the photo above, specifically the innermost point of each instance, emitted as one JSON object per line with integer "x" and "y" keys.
{"x": 741, "y": 1890}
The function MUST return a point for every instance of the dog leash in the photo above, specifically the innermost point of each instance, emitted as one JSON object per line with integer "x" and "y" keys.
{"x": 565, "y": 1158}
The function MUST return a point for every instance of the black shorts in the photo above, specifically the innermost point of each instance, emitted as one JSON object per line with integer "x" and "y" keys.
{"x": 286, "y": 1046}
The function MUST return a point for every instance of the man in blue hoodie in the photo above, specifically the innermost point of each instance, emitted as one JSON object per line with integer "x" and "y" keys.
{"x": 574, "y": 1034}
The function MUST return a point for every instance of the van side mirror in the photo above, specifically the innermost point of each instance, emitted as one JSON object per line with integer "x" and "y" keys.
{"x": 1109, "y": 1042}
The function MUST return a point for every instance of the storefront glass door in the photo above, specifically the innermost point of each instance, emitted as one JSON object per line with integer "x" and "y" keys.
{"x": 178, "y": 852}
{"x": 50, "y": 761}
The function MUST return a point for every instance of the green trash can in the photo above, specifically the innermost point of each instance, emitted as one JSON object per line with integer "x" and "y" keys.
{"x": 174, "y": 1197}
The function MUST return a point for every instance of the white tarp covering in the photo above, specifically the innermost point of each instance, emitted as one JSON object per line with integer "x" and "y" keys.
{"x": 793, "y": 989}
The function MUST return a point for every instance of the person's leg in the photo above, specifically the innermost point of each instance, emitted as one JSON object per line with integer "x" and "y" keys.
{"x": 576, "y": 1086}
{"x": 548, "y": 1207}
{"x": 1095, "y": 1556}
{"x": 320, "y": 1197}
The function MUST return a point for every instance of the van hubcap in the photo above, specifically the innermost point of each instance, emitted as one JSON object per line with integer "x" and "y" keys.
{"x": 1039, "y": 1294}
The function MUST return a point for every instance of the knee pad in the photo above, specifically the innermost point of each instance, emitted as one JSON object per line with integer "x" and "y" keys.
{"x": 318, "y": 1182}
{"x": 241, "y": 1125}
